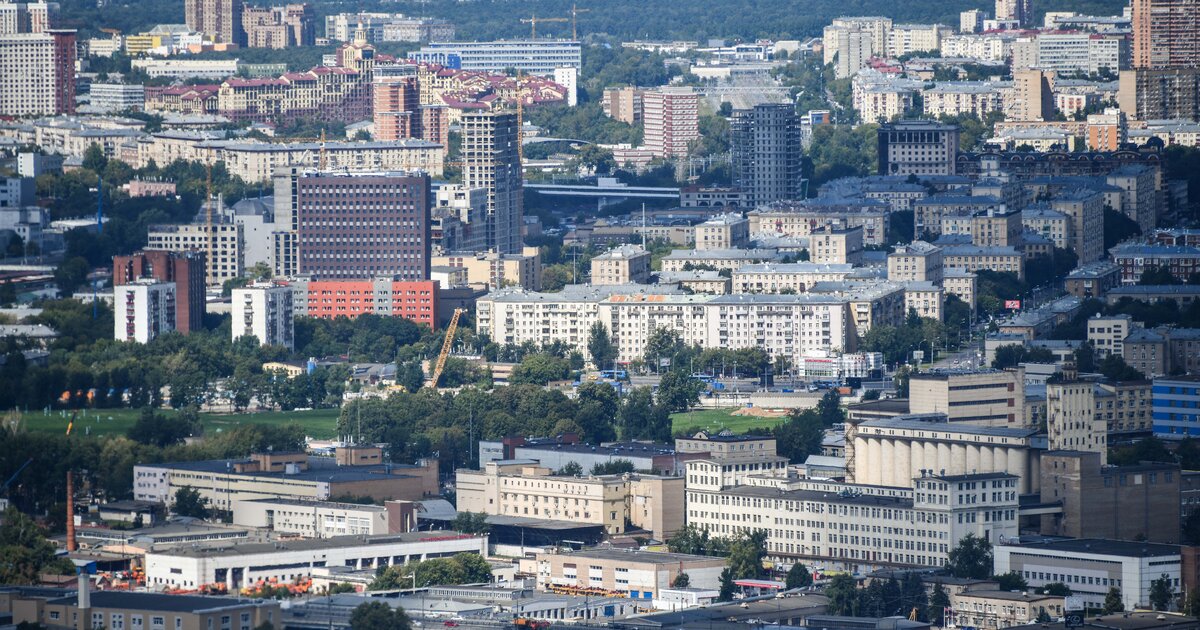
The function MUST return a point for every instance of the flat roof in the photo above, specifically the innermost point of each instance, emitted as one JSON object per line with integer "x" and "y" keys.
{"x": 634, "y": 555}
{"x": 1101, "y": 546}
{"x": 318, "y": 504}
{"x": 320, "y": 469}
{"x": 307, "y": 544}
{"x": 938, "y": 422}
{"x": 159, "y": 601}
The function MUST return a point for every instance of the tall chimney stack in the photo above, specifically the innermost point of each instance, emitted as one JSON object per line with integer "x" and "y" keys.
{"x": 71, "y": 544}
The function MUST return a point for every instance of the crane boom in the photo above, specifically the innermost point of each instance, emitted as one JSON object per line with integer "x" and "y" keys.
{"x": 14, "y": 475}
{"x": 446, "y": 344}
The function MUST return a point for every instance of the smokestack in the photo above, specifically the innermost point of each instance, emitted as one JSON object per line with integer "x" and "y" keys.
{"x": 84, "y": 594}
{"x": 71, "y": 544}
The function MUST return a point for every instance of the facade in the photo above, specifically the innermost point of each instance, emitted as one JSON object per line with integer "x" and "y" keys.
{"x": 1090, "y": 566}
{"x": 917, "y": 147}
{"x": 143, "y": 310}
{"x": 766, "y": 153}
{"x": 624, "y": 104}
{"x": 639, "y": 575}
{"x": 356, "y": 225}
{"x": 723, "y": 232}
{"x": 785, "y": 278}
{"x": 222, "y": 246}
{"x": 983, "y": 397}
{"x": 1134, "y": 502}
{"x": 495, "y": 270}
{"x": 1164, "y": 34}
{"x": 1180, "y": 261}
{"x": 381, "y": 295}
{"x": 952, "y": 99}
{"x": 1085, "y": 210}
{"x": 626, "y": 264}
{"x": 802, "y": 218}
{"x": 220, "y": 20}
{"x": 116, "y": 97}
{"x": 917, "y": 261}
{"x": 184, "y": 270}
{"x": 836, "y": 247}
{"x": 1160, "y": 93}
{"x": 264, "y": 311}
{"x": 973, "y": 258}
{"x": 1072, "y": 423}
{"x": 1094, "y": 280}
{"x": 279, "y": 27}
{"x": 85, "y": 610}
{"x": 317, "y": 519}
{"x": 670, "y": 120}
{"x": 1107, "y": 333}
{"x": 526, "y": 489}
{"x": 1175, "y": 402}
{"x": 243, "y": 564}
{"x": 1000, "y": 609}
{"x": 491, "y": 161}
{"x": 540, "y": 57}
{"x": 45, "y": 86}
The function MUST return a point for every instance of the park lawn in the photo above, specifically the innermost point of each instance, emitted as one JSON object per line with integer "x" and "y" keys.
{"x": 717, "y": 419}
{"x": 318, "y": 423}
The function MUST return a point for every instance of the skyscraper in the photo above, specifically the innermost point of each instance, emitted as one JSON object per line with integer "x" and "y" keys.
{"x": 671, "y": 120}
{"x": 219, "y": 19}
{"x": 362, "y": 225}
{"x": 1019, "y": 10}
{"x": 395, "y": 108}
{"x": 766, "y": 153}
{"x": 1166, "y": 34}
{"x": 491, "y": 161}
{"x": 39, "y": 73}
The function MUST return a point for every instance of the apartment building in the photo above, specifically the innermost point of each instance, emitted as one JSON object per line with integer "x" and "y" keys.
{"x": 1124, "y": 405}
{"x": 1164, "y": 34}
{"x": 219, "y": 20}
{"x": 904, "y": 39}
{"x": 925, "y": 298}
{"x": 625, "y": 264}
{"x": 45, "y": 86}
{"x": 495, "y": 270}
{"x": 850, "y": 47}
{"x": 836, "y": 246}
{"x": 670, "y": 120}
{"x": 1107, "y": 333}
{"x": 765, "y": 153}
{"x": 1085, "y": 209}
{"x": 523, "y": 488}
{"x": 881, "y": 103}
{"x": 928, "y": 213}
{"x": 1051, "y": 224}
{"x": 33, "y": 17}
{"x": 802, "y": 218}
{"x": 1139, "y": 194}
{"x": 954, "y": 98}
{"x": 723, "y": 232}
{"x": 185, "y": 270}
{"x": 786, "y": 277}
{"x": 982, "y": 397}
{"x": 143, "y": 309}
{"x": 917, "y": 147}
{"x": 1091, "y": 566}
{"x": 540, "y": 57}
{"x": 279, "y": 27}
{"x": 975, "y": 258}
{"x": 382, "y": 295}
{"x": 1094, "y": 280}
{"x": 624, "y": 104}
{"x": 263, "y": 310}
{"x": 857, "y": 528}
{"x": 1160, "y": 93}
{"x": 1071, "y": 420}
{"x": 917, "y": 261}
{"x": 1180, "y": 261}
{"x": 719, "y": 259}
{"x": 112, "y": 98}
{"x": 638, "y": 575}
{"x": 491, "y": 161}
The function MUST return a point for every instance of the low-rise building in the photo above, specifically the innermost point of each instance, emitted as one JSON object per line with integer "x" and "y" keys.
{"x": 1180, "y": 261}
{"x": 685, "y": 259}
{"x": 723, "y": 232}
{"x": 625, "y": 264}
{"x": 639, "y": 575}
{"x": 496, "y": 270}
{"x": 786, "y": 277}
{"x": 984, "y": 397}
{"x": 917, "y": 261}
{"x": 1094, "y": 280}
{"x": 61, "y": 609}
{"x": 980, "y": 608}
{"x": 962, "y": 284}
{"x": 320, "y": 519}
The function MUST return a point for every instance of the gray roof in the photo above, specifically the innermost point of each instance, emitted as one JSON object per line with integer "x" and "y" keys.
{"x": 314, "y": 545}
{"x": 159, "y": 602}
{"x": 937, "y": 421}
{"x": 1125, "y": 548}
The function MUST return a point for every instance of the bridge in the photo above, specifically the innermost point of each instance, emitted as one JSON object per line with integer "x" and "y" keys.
{"x": 605, "y": 188}
{"x": 542, "y": 140}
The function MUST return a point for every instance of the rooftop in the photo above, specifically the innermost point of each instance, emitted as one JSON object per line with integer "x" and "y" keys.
{"x": 159, "y": 602}
{"x": 632, "y": 556}
{"x": 312, "y": 545}
{"x": 1100, "y": 546}
{"x": 938, "y": 422}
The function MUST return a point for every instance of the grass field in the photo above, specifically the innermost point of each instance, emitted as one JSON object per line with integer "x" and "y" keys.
{"x": 318, "y": 423}
{"x": 716, "y": 419}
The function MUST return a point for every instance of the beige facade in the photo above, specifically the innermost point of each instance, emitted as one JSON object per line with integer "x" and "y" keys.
{"x": 525, "y": 489}
{"x": 805, "y": 220}
{"x": 983, "y": 397}
{"x": 497, "y": 270}
{"x": 1001, "y": 609}
{"x": 996, "y": 227}
{"x": 1071, "y": 420}
{"x": 635, "y": 574}
{"x": 627, "y": 264}
{"x": 1085, "y": 209}
{"x": 961, "y": 283}
{"x": 975, "y": 258}
{"x": 836, "y": 247}
{"x": 1051, "y": 224}
{"x": 312, "y": 519}
{"x": 785, "y": 278}
{"x": 726, "y": 231}
{"x": 153, "y": 611}
{"x": 227, "y": 245}
{"x": 1124, "y": 405}
{"x": 917, "y": 261}
{"x": 926, "y": 298}
{"x": 1107, "y": 333}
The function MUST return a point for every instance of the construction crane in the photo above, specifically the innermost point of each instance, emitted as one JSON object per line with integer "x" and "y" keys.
{"x": 574, "y": 15}
{"x": 533, "y": 20}
{"x": 209, "y": 236}
{"x": 446, "y": 344}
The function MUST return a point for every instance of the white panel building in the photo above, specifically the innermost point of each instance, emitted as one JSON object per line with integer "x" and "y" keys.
{"x": 143, "y": 310}
{"x": 264, "y": 310}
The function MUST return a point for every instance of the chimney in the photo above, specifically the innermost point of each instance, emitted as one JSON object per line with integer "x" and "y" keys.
{"x": 71, "y": 544}
{"x": 83, "y": 599}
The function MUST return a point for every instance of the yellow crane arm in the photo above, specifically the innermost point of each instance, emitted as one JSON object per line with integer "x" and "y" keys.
{"x": 446, "y": 344}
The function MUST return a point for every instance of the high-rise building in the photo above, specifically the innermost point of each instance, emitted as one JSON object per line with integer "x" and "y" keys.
{"x": 143, "y": 310}
{"x": 33, "y": 17}
{"x": 766, "y": 153}
{"x": 1034, "y": 95}
{"x": 396, "y": 101}
{"x": 223, "y": 245}
{"x": 624, "y": 104}
{"x": 917, "y": 147}
{"x": 183, "y": 269}
{"x": 1166, "y": 34}
{"x": 1019, "y": 10}
{"x": 359, "y": 225}
{"x": 219, "y": 19}
{"x": 971, "y": 21}
{"x": 491, "y": 161}
{"x": 39, "y": 73}
{"x": 1160, "y": 93}
{"x": 279, "y": 27}
{"x": 264, "y": 310}
{"x": 671, "y": 121}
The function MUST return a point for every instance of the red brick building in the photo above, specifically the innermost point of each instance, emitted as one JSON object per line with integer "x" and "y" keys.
{"x": 185, "y": 269}
{"x": 329, "y": 299}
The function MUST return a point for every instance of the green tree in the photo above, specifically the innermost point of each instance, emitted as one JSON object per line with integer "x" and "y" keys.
{"x": 600, "y": 347}
{"x": 1011, "y": 355}
{"x": 377, "y": 615}
{"x": 746, "y": 554}
{"x": 798, "y": 576}
{"x": 160, "y": 430}
{"x": 829, "y": 409}
{"x": 94, "y": 159}
{"x": 1057, "y": 589}
{"x": 681, "y": 581}
{"x": 1193, "y": 603}
{"x": 725, "y": 594}
{"x": 613, "y": 467}
{"x": 939, "y": 601}
{"x": 640, "y": 418}
{"x": 24, "y": 551}
{"x": 539, "y": 369}
{"x": 188, "y": 502}
{"x": 411, "y": 376}
{"x": 571, "y": 469}
{"x": 475, "y": 569}
{"x": 1011, "y": 581}
{"x": 678, "y": 391}
{"x": 1161, "y": 593}
{"x": 470, "y": 523}
{"x": 1113, "y": 602}
{"x": 971, "y": 558}
{"x": 800, "y": 435}
{"x": 843, "y": 595}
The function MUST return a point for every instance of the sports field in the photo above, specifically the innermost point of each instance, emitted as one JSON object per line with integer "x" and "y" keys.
{"x": 318, "y": 423}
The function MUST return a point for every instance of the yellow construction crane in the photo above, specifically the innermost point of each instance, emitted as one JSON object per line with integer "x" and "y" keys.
{"x": 446, "y": 344}
{"x": 533, "y": 20}
{"x": 322, "y": 160}
{"x": 574, "y": 15}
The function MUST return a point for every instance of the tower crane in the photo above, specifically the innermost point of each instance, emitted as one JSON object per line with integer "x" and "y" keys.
{"x": 446, "y": 345}
{"x": 533, "y": 20}
{"x": 574, "y": 16}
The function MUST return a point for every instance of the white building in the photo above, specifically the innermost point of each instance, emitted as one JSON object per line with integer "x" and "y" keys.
{"x": 241, "y": 564}
{"x": 39, "y": 73}
{"x": 143, "y": 310}
{"x": 312, "y": 519}
{"x": 264, "y": 311}
{"x": 1091, "y": 566}
{"x": 116, "y": 97}
{"x": 904, "y": 39}
{"x": 966, "y": 97}
{"x": 217, "y": 69}
{"x": 568, "y": 77}
{"x": 541, "y": 57}
{"x": 985, "y": 47}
